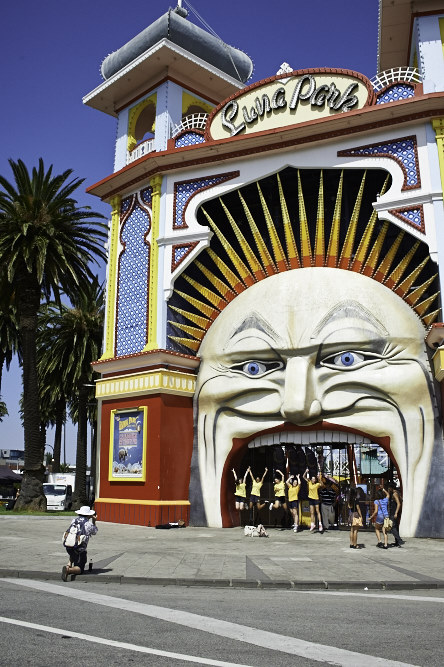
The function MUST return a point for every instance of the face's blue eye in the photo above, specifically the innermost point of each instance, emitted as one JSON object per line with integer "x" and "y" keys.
{"x": 256, "y": 369}
{"x": 348, "y": 359}
{"x": 253, "y": 368}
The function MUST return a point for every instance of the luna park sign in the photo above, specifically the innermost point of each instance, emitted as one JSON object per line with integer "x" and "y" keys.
{"x": 290, "y": 99}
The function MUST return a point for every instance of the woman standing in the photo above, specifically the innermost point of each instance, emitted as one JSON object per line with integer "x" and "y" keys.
{"x": 313, "y": 499}
{"x": 379, "y": 514}
{"x": 354, "y": 518}
{"x": 240, "y": 492}
{"x": 294, "y": 485}
{"x": 394, "y": 509}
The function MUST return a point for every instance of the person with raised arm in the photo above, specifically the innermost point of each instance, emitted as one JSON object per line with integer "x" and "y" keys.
{"x": 314, "y": 484}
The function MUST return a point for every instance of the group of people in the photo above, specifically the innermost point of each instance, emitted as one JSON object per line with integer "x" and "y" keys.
{"x": 321, "y": 496}
{"x": 322, "y": 499}
{"x": 386, "y": 514}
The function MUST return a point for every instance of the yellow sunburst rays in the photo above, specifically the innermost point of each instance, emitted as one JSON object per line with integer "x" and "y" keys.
{"x": 278, "y": 252}
{"x": 347, "y": 248}
{"x": 292, "y": 251}
{"x": 364, "y": 244}
{"x": 239, "y": 265}
{"x": 333, "y": 243}
{"x": 319, "y": 251}
{"x": 262, "y": 249}
{"x": 365, "y": 259}
{"x": 251, "y": 258}
{"x": 303, "y": 224}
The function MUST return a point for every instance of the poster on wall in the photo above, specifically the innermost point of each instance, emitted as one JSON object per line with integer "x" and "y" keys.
{"x": 128, "y": 445}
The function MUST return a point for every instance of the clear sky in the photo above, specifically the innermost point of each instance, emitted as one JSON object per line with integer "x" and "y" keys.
{"x": 51, "y": 52}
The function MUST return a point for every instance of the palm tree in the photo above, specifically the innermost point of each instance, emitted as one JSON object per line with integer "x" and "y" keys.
{"x": 75, "y": 333}
{"x": 46, "y": 242}
{"x": 9, "y": 344}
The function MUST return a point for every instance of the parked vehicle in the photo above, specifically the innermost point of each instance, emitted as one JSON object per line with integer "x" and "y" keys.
{"x": 58, "y": 496}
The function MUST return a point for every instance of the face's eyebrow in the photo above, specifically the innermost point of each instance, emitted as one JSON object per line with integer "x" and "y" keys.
{"x": 350, "y": 310}
{"x": 257, "y": 322}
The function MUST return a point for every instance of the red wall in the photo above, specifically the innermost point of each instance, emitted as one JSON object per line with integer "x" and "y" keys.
{"x": 169, "y": 446}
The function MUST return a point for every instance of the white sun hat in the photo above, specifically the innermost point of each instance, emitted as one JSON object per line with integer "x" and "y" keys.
{"x": 85, "y": 511}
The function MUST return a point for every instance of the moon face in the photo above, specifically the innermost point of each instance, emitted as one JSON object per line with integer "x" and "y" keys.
{"x": 316, "y": 348}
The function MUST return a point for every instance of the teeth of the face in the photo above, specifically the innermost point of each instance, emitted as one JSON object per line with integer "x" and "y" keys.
{"x": 308, "y": 438}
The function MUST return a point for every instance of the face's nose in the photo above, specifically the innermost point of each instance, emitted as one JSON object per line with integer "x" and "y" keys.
{"x": 300, "y": 403}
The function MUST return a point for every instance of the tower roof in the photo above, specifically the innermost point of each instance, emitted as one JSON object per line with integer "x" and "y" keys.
{"x": 174, "y": 27}
{"x": 175, "y": 48}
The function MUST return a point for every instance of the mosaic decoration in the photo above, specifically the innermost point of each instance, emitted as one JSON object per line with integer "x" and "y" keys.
{"x": 189, "y": 139}
{"x": 413, "y": 216}
{"x": 146, "y": 195}
{"x": 126, "y": 204}
{"x": 400, "y": 91}
{"x": 354, "y": 244}
{"x": 403, "y": 151}
{"x": 179, "y": 252}
{"x": 184, "y": 191}
{"x": 132, "y": 299}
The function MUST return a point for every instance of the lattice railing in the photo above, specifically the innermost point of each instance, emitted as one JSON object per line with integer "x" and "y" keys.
{"x": 395, "y": 75}
{"x": 195, "y": 121}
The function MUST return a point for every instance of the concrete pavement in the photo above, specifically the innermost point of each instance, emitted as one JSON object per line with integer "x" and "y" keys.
{"x": 32, "y": 547}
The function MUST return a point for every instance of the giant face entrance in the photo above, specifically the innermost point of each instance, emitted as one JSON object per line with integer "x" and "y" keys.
{"x": 348, "y": 459}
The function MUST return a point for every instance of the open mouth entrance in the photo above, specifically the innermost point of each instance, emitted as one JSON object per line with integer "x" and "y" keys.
{"x": 349, "y": 459}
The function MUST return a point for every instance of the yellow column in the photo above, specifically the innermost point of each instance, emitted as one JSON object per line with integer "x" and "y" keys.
{"x": 113, "y": 250}
{"x": 438, "y": 126}
{"x": 152, "y": 343}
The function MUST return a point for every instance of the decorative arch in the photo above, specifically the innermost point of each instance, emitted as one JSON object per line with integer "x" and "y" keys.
{"x": 192, "y": 104}
{"x": 292, "y": 220}
{"x": 141, "y": 119}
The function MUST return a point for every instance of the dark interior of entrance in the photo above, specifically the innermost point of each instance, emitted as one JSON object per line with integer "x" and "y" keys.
{"x": 365, "y": 466}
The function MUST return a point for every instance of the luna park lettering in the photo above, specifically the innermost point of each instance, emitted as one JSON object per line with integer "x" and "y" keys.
{"x": 305, "y": 89}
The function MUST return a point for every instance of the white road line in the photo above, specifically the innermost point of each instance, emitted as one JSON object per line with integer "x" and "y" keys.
{"x": 269, "y": 640}
{"x": 124, "y": 645}
{"x": 381, "y": 595}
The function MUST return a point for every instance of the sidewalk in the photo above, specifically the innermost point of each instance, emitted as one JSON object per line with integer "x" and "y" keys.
{"x": 32, "y": 547}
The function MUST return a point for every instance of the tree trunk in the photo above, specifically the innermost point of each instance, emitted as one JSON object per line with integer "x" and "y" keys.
{"x": 60, "y": 417}
{"x": 28, "y": 302}
{"x": 80, "y": 496}
{"x": 93, "y": 459}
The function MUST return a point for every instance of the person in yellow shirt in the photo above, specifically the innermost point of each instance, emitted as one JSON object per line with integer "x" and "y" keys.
{"x": 294, "y": 486}
{"x": 240, "y": 492}
{"x": 256, "y": 485}
{"x": 279, "y": 492}
{"x": 314, "y": 484}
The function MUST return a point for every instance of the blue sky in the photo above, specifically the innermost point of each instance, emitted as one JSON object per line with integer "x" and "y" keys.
{"x": 51, "y": 54}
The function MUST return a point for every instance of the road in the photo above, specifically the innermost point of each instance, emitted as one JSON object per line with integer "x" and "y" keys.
{"x": 51, "y": 624}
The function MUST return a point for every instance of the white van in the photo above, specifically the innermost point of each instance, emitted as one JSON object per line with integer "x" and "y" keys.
{"x": 58, "y": 496}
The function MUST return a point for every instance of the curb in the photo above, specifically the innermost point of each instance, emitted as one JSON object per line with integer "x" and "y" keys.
{"x": 257, "y": 584}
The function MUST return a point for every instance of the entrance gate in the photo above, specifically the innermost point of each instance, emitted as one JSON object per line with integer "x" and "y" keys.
{"x": 349, "y": 461}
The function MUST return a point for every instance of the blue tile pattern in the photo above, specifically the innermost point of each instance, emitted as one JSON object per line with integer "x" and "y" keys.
{"x": 179, "y": 253}
{"x": 412, "y": 216}
{"x": 189, "y": 139}
{"x": 402, "y": 150}
{"x": 185, "y": 190}
{"x": 400, "y": 91}
{"x": 146, "y": 195}
{"x": 131, "y": 329}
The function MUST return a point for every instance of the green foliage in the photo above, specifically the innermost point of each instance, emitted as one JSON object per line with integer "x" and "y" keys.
{"x": 3, "y": 410}
{"x": 43, "y": 231}
{"x": 47, "y": 243}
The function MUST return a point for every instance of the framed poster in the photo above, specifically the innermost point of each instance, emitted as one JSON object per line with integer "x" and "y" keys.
{"x": 127, "y": 452}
